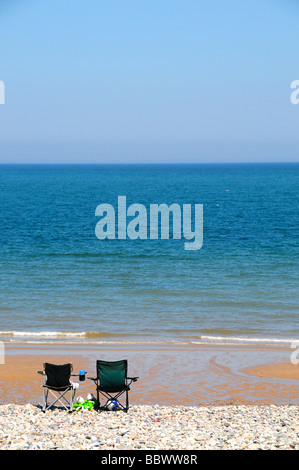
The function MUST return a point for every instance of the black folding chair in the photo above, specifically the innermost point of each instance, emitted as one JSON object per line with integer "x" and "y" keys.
{"x": 57, "y": 382}
{"x": 112, "y": 382}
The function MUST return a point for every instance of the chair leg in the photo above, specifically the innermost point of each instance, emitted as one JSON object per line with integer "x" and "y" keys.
{"x": 107, "y": 396}
{"x": 45, "y": 399}
{"x": 73, "y": 391}
{"x": 98, "y": 400}
{"x": 71, "y": 400}
{"x": 68, "y": 405}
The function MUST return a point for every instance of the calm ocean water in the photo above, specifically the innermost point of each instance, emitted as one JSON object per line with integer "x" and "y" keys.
{"x": 59, "y": 282}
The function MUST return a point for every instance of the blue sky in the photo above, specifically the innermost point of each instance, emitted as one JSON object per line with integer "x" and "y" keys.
{"x": 148, "y": 81}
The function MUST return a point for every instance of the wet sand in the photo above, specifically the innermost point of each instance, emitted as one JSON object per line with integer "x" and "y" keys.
{"x": 169, "y": 374}
{"x": 285, "y": 370}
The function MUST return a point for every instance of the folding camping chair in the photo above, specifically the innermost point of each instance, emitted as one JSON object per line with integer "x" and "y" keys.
{"x": 58, "y": 384}
{"x": 111, "y": 382}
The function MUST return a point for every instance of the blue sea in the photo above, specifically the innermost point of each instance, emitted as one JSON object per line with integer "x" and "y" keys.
{"x": 60, "y": 283}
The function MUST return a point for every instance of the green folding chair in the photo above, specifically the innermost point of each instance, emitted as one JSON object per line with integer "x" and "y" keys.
{"x": 112, "y": 382}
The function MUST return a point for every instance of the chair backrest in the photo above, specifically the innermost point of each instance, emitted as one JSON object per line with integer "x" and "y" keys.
{"x": 112, "y": 374}
{"x": 58, "y": 375}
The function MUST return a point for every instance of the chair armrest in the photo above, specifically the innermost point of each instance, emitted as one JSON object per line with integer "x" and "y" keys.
{"x": 41, "y": 372}
{"x": 92, "y": 378}
{"x": 133, "y": 379}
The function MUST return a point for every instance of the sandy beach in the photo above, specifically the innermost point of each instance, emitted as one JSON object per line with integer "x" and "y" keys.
{"x": 183, "y": 375}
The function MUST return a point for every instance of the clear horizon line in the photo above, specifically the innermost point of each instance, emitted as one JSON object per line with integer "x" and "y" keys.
{"x": 270, "y": 162}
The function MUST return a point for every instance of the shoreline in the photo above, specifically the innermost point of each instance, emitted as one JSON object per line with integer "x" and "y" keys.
{"x": 169, "y": 375}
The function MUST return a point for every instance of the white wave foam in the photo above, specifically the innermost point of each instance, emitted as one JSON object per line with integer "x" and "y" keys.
{"x": 106, "y": 338}
{"x": 239, "y": 339}
{"x": 47, "y": 334}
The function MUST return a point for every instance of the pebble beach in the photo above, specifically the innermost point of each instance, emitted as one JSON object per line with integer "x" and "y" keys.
{"x": 229, "y": 427}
